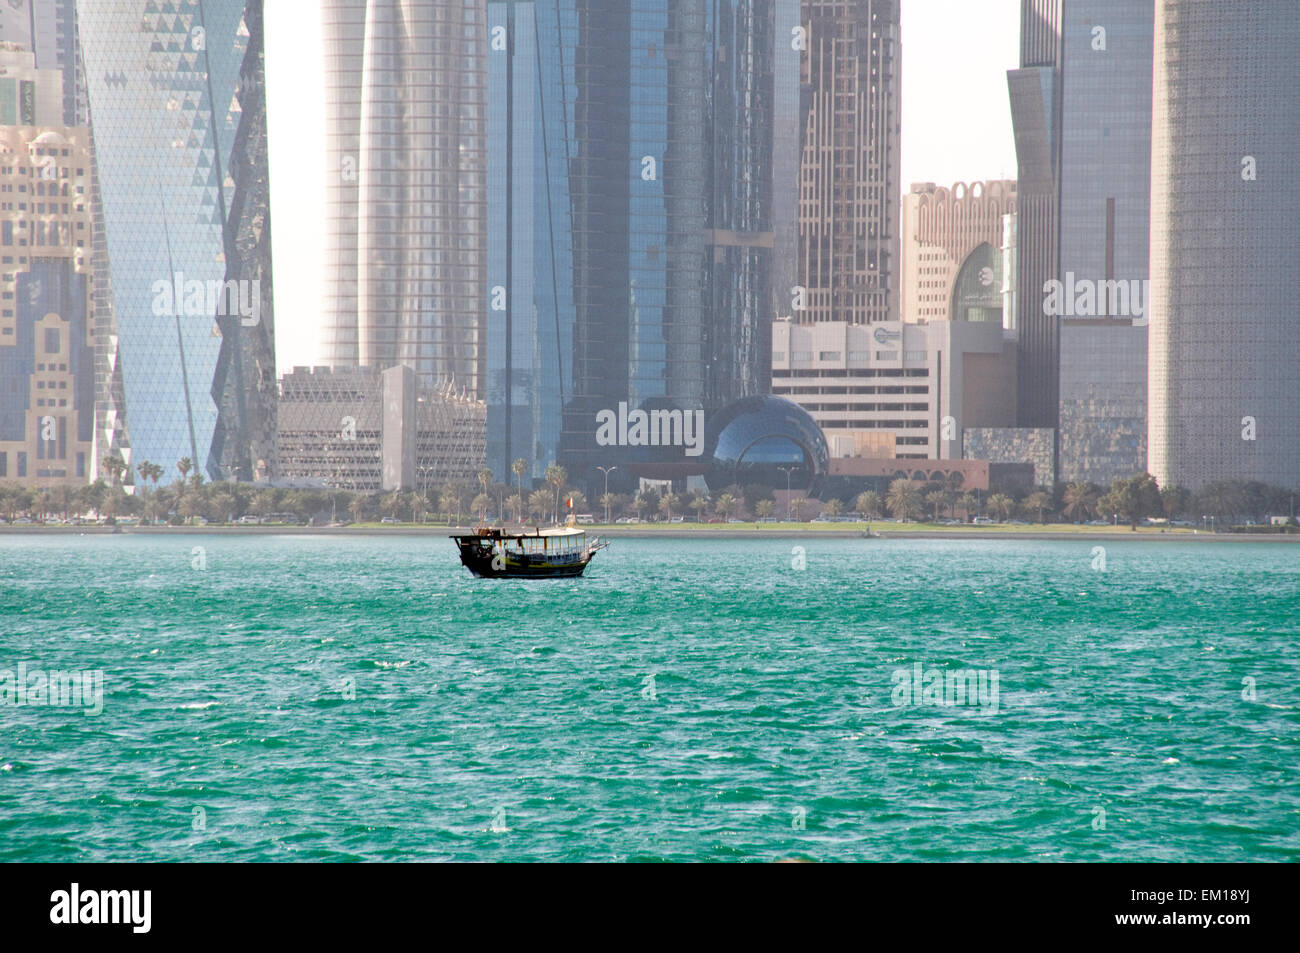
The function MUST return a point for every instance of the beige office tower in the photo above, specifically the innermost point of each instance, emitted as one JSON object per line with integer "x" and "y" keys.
{"x": 406, "y": 206}
{"x": 1224, "y": 382}
{"x": 952, "y": 241}
{"x": 47, "y": 404}
{"x": 849, "y": 173}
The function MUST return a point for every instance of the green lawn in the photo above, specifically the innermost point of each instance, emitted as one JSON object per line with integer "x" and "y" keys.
{"x": 880, "y": 526}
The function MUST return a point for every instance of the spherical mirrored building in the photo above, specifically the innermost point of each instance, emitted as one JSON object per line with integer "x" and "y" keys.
{"x": 766, "y": 440}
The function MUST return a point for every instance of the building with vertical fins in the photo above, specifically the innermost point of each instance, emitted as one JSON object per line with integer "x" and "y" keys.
{"x": 183, "y": 303}
{"x": 849, "y": 181}
{"x": 1105, "y": 217}
{"x": 1035, "y": 90}
{"x": 406, "y": 199}
{"x": 1225, "y": 225}
{"x": 1081, "y": 109}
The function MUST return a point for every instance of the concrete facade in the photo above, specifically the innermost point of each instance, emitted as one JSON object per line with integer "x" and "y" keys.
{"x": 360, "y": 428}
{"x": 889, "y": 389}
{"x": 942, "y": 228}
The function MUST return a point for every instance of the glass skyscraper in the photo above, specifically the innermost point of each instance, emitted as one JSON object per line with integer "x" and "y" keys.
{"x": 646, "y": 206}
{"x": 530, "y": 296}
{"x": 405, "y": 187}
{"x": 1081, "y": 107}
{"x": 1035, "y": 90}
{"x": 1105, "y": 220}
{"x": 183, "y": 313}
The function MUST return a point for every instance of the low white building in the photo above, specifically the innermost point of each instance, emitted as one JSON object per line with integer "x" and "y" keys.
{"x": 895, "y": 389}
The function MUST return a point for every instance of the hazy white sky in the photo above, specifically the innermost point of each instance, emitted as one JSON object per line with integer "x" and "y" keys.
{"x": 956, "y": 127}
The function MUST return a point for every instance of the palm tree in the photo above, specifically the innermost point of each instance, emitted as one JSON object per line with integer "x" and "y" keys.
{"x": 868, "y": 503}
{"x": 149, "y": 472}
{"x": 608, "y": 500}
{"x": 952, "y": 483}
{"x": 481, "y": 504}
{"x": 1038, "y": 501}
{"x": 833, "y": 507}
{"x": 936, "y": 498}
{"x": 669, "y": 502}
{"x": 520, "y": 467}
{"x": 725, "y": 505}
{"x": 515, "y": 502}
{"x": 796, "y": 505}
{"x": 93, "y": 496}
{"x": 357, "y": 507}
{"x": 903, "y": 499}
{"x": 263, "y": 504}
{"x": 763, "y": 508}
{"x": 220, "y": 503}
{"x": 970, "y": 504}
{"x": 1001, "y": 505}
{"x": 556, "y": 477}
{"x": 485, "y": 481}
{"x": 641, "y": 503}
{"x": 1079, "y": 500}
{"x": 699, "y": 504}
{"x": 538, "y": 501}
{"x": 115, "y": 466}
{"x": 64, "y": 496}
{"x": 452, "y": 498}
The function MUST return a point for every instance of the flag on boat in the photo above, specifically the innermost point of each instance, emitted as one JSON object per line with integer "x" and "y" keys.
{"x": 569, "y": 502}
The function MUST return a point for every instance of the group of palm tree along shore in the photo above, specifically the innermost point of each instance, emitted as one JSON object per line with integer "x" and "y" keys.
{"x": 190, "y": 498}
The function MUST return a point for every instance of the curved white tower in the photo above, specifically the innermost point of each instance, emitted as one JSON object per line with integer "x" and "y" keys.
{"x": 406, "y": 197}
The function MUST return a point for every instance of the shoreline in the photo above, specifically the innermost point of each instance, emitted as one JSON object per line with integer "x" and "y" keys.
{"x": 737, "y": 531}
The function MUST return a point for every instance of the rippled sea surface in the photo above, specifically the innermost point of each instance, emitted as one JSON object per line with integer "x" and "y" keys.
{"x": 325, "y": 698}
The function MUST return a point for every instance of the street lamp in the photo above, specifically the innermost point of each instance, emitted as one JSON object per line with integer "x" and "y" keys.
{"x": 787, "y": 470}
{"x": 605, "y": 499}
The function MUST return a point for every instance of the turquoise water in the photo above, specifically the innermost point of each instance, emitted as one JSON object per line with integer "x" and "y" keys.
{"x": 319, "y": 698}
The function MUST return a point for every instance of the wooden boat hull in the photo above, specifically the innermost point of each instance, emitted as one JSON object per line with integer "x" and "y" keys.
{"x": 489, "y": 563}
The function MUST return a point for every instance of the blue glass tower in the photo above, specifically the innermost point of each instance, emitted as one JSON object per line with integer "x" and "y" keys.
{"x": 645, "y": 200}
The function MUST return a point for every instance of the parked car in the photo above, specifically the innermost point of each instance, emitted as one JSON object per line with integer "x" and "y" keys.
{"x": 678, "y": 519}
{"x": 389, "y": 519}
